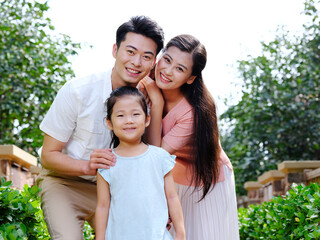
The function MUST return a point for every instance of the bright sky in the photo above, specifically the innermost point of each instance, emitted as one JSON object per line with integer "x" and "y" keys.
{"x": 230, "y": 30}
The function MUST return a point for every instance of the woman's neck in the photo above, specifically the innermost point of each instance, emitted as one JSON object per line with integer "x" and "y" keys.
{"x": 125, "y": 149}
{"x": 171, "y": 99}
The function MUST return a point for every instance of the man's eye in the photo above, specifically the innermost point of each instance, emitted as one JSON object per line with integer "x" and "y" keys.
{"x": 147, "y": 58}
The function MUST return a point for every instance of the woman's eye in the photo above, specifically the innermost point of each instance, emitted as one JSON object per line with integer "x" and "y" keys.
{"x": 167, "y": 59}
{"x": 180, "y": 69}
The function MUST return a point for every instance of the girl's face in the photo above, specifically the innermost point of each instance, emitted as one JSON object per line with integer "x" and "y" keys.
{"x": 128, "y": 120}
{"x": 174, "y": 69}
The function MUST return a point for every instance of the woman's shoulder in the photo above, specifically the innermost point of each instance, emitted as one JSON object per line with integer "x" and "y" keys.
{"x": 183, "y": 106}
{"x": 182, "y": 110}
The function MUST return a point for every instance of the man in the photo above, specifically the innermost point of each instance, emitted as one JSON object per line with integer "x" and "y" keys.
{"x": 76, "y": 136}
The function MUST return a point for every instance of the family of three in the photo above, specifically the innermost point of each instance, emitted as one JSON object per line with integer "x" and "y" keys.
{"x": 127, "y": 160}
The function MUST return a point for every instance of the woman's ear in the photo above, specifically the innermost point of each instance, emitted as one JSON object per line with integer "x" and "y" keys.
{"x": 191, "y": 79}
{"x": 148, "y": 120}
{"x": 109, "y": 124}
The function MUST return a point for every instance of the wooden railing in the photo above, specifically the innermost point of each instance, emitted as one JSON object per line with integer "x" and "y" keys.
{"x": 278, "y": 182}
{"x": 18, "y": 166}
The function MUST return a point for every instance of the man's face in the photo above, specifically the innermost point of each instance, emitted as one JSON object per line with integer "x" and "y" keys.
{"x": 134, "y": 59}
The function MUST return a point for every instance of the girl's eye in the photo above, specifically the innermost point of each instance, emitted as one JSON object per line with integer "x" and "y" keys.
{"x": 136, "y": 114}
{"x": 119, "y": 115}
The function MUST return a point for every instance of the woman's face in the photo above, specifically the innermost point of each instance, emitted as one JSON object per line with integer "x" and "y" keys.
{"x": 174, "y": 69}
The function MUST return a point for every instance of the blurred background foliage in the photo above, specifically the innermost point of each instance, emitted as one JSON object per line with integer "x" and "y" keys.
{"x": 278, "y": 116}
{"x": 33, "y": 66}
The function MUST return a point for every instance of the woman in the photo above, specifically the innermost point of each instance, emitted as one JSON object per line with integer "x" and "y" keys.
{"x": 203, "y": 173}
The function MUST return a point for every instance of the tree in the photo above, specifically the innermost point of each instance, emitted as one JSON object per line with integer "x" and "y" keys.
{"x": 278, "y": 116}
{"x": 33, "y": 66}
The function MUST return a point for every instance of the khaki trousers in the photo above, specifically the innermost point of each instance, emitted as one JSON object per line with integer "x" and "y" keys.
{"x": 67, "y": 202}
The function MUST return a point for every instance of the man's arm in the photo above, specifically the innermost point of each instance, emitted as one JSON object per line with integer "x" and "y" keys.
{"x": 53, "y": 159}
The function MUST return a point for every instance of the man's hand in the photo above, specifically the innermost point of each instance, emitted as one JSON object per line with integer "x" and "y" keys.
{"x": 100, "y": 158}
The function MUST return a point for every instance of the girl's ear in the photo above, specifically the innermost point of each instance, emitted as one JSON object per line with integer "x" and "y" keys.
{"x": 114, "y": 50}
{"x": 191, "y": 79}
{"x": 109, "y": 124}
{"x": 148, "y": 120}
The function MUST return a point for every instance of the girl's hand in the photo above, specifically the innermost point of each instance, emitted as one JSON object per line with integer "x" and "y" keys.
{"x": 180, "y": 238}
{"x": 169, "y": 224}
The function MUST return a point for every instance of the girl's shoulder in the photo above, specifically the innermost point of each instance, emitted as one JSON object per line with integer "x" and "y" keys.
{"x": 158, "y": 150}
{"x": 161, "y": 153}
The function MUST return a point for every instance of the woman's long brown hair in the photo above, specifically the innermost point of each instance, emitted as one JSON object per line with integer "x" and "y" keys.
{"x": 205, "y": 140}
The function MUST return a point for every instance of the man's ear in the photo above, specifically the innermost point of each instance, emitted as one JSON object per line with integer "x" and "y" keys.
{"x": 148, "y": 120}
{"x": 109, "y": 124}
{"x": 114, "y": 50}
{"x": 191, "y": 79}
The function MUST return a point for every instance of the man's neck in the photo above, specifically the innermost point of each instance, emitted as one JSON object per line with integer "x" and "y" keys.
{"x": 117, "y": 82}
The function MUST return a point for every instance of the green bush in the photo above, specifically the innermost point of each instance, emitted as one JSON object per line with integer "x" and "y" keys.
{"x": 293, "y": 216}
{"x": 21, "y": 216}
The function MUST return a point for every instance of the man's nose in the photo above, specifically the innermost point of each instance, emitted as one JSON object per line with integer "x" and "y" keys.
{"x": 136, "y": 60}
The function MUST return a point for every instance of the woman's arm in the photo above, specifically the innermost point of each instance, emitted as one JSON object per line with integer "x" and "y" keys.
{"x": 175, "y": 209}
{"x": 154, "y": 95}
{"x": 102, "y": 209}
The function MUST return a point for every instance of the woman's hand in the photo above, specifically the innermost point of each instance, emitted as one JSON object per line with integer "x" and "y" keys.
{"x": 156, "y": 103}
{"x": 151, "y": 91}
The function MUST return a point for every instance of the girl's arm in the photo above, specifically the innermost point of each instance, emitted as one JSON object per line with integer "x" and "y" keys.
{"x": 102, "y": 209}
{"x": 154, "y": 95}
{"x": 175, "y": 209}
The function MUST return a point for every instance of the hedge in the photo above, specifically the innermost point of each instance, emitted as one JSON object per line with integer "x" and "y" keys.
{"x": 21, "y": 217}
{"x": 293, "y": 216}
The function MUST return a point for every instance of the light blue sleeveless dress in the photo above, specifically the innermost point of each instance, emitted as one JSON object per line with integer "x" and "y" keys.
{"x": 138, "y": 208}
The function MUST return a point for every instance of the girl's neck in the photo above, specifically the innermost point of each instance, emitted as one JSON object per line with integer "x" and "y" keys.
{"x": 171, "y": 99}
{"x": 125, "y": 149}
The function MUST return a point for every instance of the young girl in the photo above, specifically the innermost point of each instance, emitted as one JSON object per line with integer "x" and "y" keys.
{"x": 135, "y": 195}
{"x": 189, "y": 129}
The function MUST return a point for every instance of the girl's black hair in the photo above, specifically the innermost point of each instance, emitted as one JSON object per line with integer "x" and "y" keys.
{"x": 111, "y": 101}
{"x": 205, "y": 140}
